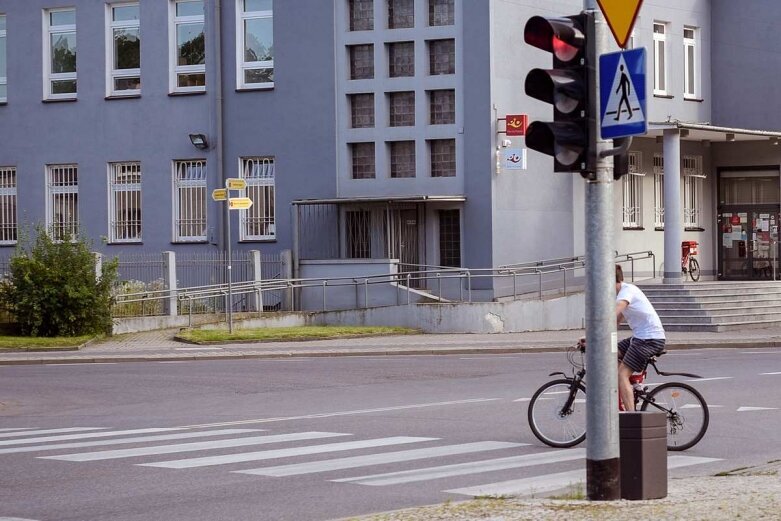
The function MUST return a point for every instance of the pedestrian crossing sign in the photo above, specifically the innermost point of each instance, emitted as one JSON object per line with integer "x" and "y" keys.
{"x": 622, "y": 98}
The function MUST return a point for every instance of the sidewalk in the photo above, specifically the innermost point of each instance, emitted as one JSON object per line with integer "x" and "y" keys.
{"x": 161, "y": 346}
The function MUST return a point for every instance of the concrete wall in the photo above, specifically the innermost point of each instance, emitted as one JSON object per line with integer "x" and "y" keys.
{"x": 343, "y": 294}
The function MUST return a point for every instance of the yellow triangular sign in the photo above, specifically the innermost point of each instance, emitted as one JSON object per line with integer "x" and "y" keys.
{"x": 620, "y": 16}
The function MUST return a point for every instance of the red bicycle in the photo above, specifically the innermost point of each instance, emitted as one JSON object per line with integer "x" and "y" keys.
{"x": 689, "y": 263}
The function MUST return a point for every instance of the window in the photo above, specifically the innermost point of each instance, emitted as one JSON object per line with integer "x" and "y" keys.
{"x": 442, "y": 57}
{"x": 259, "y": 222}
{"x": 123, "y": 45}
{"x": 60, "y": 54}
{"x": 363, "y": 160}
{"x": 402, "y": 109}
{"x": 441, "y": 12}
{"x": 442, "y": 105}
{"x": 256, "y": 43}
{"x": 358, "y": 234}
{"x": 361, "y": 62}
{"x": 443, "y": 157}
{"x": 190, "y": 201}
{"x": 658, "y": 191}
{"x": 632, "y": 204}
{"x": 362, "y": 110}
{"x": 3, "y": 59}
{"x": 402, "y": 154}
{"x": 401, "y": 14}
{"x": 361, "y": 15}
{"x": 660, "y": 58}
{"x": 450, "y": 238}
{"x": 692, "y": 190}
{"x": 188, "y": 47}
{"x": 62, "y": 201}
{"x": 8, "y": 205}
{"x": 401, "y": 59}
{"x": 124, "y": 202}
{"x": 690, "y": 63}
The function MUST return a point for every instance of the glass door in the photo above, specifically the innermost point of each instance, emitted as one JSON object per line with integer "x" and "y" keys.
{"x": 748, "y": 243}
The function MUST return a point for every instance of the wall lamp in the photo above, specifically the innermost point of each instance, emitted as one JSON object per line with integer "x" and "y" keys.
{"x": 730, "y": 136}
{"x": 199, "y": 141}
{"x": 774, "y": 140}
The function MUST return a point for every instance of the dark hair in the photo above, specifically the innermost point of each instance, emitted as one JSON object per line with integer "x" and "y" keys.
{"x": 619, "y": 274}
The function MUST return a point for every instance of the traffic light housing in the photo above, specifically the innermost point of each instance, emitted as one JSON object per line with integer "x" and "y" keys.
{"x": 568, "y": 138}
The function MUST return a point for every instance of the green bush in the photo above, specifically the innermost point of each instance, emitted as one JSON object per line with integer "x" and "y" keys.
{"x": 52, "y": 290}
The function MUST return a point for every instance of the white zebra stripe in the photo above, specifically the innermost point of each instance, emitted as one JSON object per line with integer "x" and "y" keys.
{"x": 44, "y": 439}
{"x": 47, "y": 431}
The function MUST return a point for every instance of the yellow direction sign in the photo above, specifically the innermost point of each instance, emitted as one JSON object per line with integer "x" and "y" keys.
{"x": 219, "y": 194}
{"x": 620, "y": 16}
{"x": 239, "y": 203}
{"x": 235, "y": 183}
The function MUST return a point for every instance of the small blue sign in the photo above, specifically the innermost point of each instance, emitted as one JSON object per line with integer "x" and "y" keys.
{"x": 622, "y": 100}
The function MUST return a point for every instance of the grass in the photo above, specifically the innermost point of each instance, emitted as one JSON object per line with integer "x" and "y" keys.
{"x": 23, "y": 343}
{"x": 280, "y": 334}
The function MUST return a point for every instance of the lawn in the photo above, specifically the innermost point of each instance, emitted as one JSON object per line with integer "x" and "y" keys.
{"x": 281, "y": 334}
{"x": 23, "y": 343}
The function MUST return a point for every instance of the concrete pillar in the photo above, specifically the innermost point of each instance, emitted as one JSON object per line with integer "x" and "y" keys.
{"x": 673, "y": 214}
{"x": 169, "y": 269}
{"x": 288, "y": 297}
{"x": 257, "y": 277}
{"x": 98, "y": 265}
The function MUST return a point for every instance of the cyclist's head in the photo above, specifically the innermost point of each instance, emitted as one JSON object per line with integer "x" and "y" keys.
{"x": 619, "y": 274}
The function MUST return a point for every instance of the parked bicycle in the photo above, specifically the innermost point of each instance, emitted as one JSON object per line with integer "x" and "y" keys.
{"x": 689, "y": 263}
{"x": 557, "y": 411}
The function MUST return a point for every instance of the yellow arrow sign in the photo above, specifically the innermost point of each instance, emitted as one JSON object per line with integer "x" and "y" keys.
{"x": 239, "y": 203}
{"x": 235, "y": 183}
{"x": 620, "y": 16}
{"x": 219, "y": 194}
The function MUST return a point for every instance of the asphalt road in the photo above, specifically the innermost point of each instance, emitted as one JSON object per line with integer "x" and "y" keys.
{"x": 320, "y": 438}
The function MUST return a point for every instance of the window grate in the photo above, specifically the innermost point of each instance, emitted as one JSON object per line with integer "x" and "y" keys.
{"x": 259, "y": 222}
{"x": 658, "y": 191}
{"x": 8, "y": 222}
{"x": 450, "y": 238}
{"x": 190, "y": 201}
{"x": 62, "y": 201}
{"x": 124, "y": 202}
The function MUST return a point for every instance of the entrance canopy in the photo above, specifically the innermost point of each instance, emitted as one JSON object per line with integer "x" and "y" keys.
{"x": 713, "y": 133}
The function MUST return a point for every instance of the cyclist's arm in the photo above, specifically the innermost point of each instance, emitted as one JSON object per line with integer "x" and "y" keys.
{"x": 620, "y": 307}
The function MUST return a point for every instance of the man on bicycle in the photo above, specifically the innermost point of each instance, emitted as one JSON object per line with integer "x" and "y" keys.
{"x": 647, "y": 338}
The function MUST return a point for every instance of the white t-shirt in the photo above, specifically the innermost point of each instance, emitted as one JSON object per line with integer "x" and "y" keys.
{"x": 640, "y": 314}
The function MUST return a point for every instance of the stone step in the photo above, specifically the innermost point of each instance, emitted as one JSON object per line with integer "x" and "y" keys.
{"x": 711, "y": 298}
{"x": 716, "y": 305}
{"x": 719, "y": 319}
{"x": 712, "y": 292}
{"x": 716, "y": 312}
{"x": 717, "y": 328}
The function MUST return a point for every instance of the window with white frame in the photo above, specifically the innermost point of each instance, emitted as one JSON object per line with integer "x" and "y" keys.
{"x": 255, "y": 45}
{"x": 690, "y": 63}
{"x": 660, "y": 58}
{"x": 658, "y": 191}
{"x": 692, "y": 190}
{"x": 188, "y": 46}
{"x": 3, "y": 65}
{"x": 123, "y": 49}
{"x": 632, "y": 202}
{"x": 258, "y": 223}
{"x": 62, "y": 201}
{"x": 124, "y": 202}
{"x": 8, "y": 224}
{"x": 190, "y": 201}
{"x": 60, "y": 54}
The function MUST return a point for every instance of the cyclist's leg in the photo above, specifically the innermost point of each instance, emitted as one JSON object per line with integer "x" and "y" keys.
{"x": 635, "y": 359}
{"x": 625, "y": 393}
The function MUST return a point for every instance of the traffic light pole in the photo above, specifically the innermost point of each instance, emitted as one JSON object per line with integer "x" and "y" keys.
{"x": 603, "y": 480}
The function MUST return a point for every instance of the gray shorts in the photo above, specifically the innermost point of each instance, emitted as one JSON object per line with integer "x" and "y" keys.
{"x": 635, "y": 352}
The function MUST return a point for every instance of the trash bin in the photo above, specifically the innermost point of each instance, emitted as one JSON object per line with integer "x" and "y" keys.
{"x": 643, "y": 445}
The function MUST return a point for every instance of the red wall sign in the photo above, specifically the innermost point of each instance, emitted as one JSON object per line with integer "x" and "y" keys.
{"x": 516, "y": 124}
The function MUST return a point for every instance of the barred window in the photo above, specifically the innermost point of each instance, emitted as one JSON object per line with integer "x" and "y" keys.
{"x": 442, "y": 107}
{"x": 443, "y": 157}
{"x": 658, "y": 191}
{"x": 442, "y": 57}
{"x": 632, "y": 201}
{"x": 361, "y": 15}
{"x": 361, "y": 62}
{"x": 401, "y": 14}
{"x": 450, "y": 238}
{"x": 62, "y": 201}
{"x": 362, "y": 110}
{"x": 188, "y": 51}
{"x": 259, "y": 222}
{"x": 441, "y": 12}
{"x": 401, "y": 59}
{"x": 402, "y": 109}
{"x": 358, "y": 234}
{"x": 190, "y": 201}
{"x": 692, "y": 190}
{"x": 124, "y": 66}
{"x": 255, "y": 19}
{"x": 8, "y": 224}
{"x": 363, "y": 160}
{"x": 402, "y": 154}
{"x": 124, "y": 211}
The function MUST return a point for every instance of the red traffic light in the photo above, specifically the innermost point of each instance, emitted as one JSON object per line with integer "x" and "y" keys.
{"x": 562, "y": 36}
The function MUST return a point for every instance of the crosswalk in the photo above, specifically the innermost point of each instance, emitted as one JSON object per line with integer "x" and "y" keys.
{"x": 338, "y": 457}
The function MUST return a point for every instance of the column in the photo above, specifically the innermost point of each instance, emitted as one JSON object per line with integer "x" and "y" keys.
{"x": 673, "y": 215}
{"x": 257, "y": 277}
{"x": 169, "y": 267}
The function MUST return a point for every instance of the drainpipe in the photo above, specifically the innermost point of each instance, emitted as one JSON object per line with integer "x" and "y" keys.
{"x": 224, "y": 237}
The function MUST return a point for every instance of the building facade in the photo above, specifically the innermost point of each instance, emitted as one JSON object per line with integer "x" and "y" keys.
{"x": 370, "y": 129}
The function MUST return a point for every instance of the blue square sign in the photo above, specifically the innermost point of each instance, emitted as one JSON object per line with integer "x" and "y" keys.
{"x": 622, "y": 99}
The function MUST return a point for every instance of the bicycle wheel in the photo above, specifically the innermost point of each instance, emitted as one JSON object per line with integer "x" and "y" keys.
{"x": 555, "y": 417}
{"x": 694, "y": 269}
{"x": 687, "y": 413}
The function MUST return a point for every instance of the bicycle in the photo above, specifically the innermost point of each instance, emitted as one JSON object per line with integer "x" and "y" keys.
{"x": 689, "y": 264}
{"x": 557, "y": 410}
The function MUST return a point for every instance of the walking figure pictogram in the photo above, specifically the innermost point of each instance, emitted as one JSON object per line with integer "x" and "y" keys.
{"x": 625, "y": 86}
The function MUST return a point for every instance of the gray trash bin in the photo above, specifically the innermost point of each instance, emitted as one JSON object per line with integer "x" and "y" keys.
{"x": 643, "y": 438}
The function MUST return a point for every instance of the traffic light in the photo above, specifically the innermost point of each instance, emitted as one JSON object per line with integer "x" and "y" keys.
{"x": 566, "y": 86}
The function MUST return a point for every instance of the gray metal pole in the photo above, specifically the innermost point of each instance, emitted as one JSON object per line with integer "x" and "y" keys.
{"x": 230, "y": 272}
{"x": 602, "y": 448}
{"x": 673, "y": 219}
